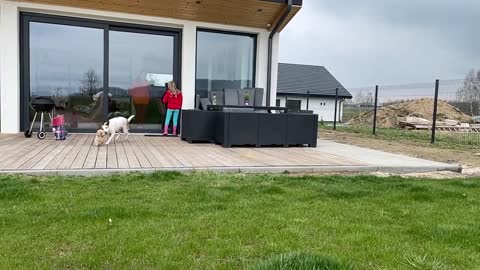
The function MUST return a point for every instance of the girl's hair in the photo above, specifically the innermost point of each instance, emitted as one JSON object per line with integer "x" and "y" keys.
{"x": 172, "y": 87}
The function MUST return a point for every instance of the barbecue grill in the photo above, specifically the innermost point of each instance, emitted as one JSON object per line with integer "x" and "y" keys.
{"x": 40, "y": 105}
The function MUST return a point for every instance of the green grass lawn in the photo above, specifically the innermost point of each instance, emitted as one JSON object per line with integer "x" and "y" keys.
{"x": 210, "y": 221}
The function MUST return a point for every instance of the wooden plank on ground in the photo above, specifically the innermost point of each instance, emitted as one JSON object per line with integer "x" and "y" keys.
{"x": 23, "y": 155}
{"x": 84, "y": 149}
{"x": 67, "y": 150}
{"x": 142, "y": 159}
{"x": 91, "y": 158}
{"x": 112, "y": 162}
{"x": 10, "y": 150}
{"x": 50, "y": 153}
{"x": 131, "y": 157}
{"x": 73, "y": 151}
{"x": 122, "y": 159}
{"x": 169, "y": 159}
{"x": 101, "y": 162}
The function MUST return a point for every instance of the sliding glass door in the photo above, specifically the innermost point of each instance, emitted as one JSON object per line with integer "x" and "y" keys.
{"x": 95, "y": 70}
{"x": 140, "y": 65}
{"x": 224, "y": 60}
{"x": 66, "y": 64}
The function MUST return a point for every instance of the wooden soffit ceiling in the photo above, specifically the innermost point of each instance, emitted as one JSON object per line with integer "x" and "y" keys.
{"x": 249, "y": 13}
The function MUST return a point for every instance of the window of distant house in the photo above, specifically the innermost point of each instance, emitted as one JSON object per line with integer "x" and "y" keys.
{"x": 224, "y": 60}
{"x": 294, "y": 105}
{"x": 277, "y": 102}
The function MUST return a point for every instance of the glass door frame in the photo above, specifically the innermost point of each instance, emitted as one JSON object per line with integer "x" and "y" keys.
{"x": 27, "y": 17}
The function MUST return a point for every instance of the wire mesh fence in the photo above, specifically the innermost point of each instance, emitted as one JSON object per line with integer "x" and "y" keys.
{"x": 458, "y": 113}
{"x": 407, "y": 111}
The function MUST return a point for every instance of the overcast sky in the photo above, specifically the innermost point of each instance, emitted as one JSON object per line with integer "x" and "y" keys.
{"x": 371, "y": 42}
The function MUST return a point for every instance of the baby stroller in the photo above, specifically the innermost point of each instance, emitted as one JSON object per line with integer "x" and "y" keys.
{"x": 40, "y": 105}
{"x": 58, "y": 128}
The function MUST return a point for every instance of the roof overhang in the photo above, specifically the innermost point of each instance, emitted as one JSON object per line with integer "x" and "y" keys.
{"x": 247, "y": 13}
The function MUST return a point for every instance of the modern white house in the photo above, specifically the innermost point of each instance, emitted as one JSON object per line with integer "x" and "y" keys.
{"x": 306, "y": 87}
{"x": 78, "y": 51}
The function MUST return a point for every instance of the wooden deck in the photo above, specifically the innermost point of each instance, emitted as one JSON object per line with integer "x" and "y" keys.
{"x": 77, "y": 153}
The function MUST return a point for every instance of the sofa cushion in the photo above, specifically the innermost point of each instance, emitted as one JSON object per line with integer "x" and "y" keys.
{"x": 231, "y": 96}
{"x": 204, "y": 102}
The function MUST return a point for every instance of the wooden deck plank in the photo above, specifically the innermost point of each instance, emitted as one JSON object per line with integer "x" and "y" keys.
{"x": 164, "y": 157}
{"x": 101, "y": 161}
{"x": 232, "y": 160}
{"x": 22, "y": 156}
{"x": 142, "y": 159}
{"x": 179, "y": 153}
{"x": 152, "y": 159}
{"x": 131, "y": 157}
{"x": 8, "y": 139}
{"x": 206, "y": 158}
{"x": 91, "y": 158}
{"x": 196, "y": 156}
{"x": 83, "y": 150}
{"x": 29, "y": 158}
{"x": 67, "y": 151}
{"x": 78, "y": 152}
{"x": 9, "y": 150}
{"x": 112, "y": 161}
{"x": 48, "y": 146}
{"x": 54, "y": 149}
{"x": 253, "y": 157}
{"x": 76, "y": 146}
{"x": 121, "y": 156}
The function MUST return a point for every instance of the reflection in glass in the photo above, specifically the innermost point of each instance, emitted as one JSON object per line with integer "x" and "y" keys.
{"x": 140, "y": 66}
{"x": 224, "y": 61}
{"x": 66, "y": 64}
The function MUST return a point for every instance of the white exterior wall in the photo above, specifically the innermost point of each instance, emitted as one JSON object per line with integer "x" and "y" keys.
{"x": 9, "y": 51}
{"x": 325, "y": 112}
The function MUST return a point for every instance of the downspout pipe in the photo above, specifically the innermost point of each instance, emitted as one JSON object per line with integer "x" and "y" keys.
{"x": 270, "y": 48}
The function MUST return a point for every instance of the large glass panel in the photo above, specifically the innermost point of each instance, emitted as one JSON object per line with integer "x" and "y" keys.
{"x": 66, "y": 64}
{"x": 140, "y": 66}
{"x": 224, "y": 60}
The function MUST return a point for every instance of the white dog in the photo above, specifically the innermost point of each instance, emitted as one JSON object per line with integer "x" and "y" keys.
{"x": 117, "y": 125}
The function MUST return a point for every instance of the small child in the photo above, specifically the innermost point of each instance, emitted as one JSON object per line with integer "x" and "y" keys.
{"x": 173, "y": 98}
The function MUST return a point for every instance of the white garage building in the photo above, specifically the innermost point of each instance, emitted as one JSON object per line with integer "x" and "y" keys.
{"x": 305, "y": 87}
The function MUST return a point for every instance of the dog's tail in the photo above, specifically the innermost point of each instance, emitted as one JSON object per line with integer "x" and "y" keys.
{"x": 130, "y": 118}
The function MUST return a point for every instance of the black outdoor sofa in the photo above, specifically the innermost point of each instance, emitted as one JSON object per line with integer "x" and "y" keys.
{"x": 231, "y": 121}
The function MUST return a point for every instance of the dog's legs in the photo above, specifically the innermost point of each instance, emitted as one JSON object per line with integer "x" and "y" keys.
{"x": 109, "y": 139}
{"x": 118, "y": 135}
{"x": 126, "y": 132}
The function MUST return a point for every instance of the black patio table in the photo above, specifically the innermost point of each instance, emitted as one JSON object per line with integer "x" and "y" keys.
{"x": 244, "y": 127}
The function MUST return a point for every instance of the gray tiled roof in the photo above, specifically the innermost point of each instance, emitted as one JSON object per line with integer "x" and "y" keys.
{"x": 298, "y": 79}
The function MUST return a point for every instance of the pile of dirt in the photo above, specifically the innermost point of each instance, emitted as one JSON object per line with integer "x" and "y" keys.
{"x": 389, "y": 116}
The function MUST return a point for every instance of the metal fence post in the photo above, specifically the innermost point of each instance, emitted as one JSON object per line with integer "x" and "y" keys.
{"x": 335, "y": 114}
{"x": 434, "y": 118}
{"x": 375, "y": 111}
{"x": 308, "y": 100}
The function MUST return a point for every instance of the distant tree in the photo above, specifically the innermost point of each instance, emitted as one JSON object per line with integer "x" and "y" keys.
{"x": 362, "y": 99}
{"x": 90, "y": 83}
{"x": 470, "y": 91}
